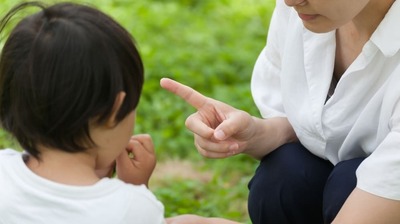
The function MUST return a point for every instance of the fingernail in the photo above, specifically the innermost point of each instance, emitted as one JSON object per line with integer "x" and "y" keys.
{"x": 220, "y": 135}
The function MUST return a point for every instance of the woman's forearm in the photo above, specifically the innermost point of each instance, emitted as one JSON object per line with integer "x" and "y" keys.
{"x": 362, "y": 207}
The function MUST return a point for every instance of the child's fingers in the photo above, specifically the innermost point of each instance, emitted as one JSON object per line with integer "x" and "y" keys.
{"x": 146, "y": 142}
{"x": 135, "y": 150}
{"x": 140, "y": 153}
{"x": 123, "y": 160}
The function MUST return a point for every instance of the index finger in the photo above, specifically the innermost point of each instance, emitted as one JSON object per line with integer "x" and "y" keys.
{"x": 191, "y": 96}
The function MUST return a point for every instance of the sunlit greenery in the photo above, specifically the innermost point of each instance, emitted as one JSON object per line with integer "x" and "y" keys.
{"x": 211, "y": 46}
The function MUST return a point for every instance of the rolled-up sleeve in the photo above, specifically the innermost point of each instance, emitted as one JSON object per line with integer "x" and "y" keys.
{"x": 379, "y": 174}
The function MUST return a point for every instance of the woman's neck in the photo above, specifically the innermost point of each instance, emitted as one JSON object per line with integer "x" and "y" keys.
{"x": 366, "y": 22}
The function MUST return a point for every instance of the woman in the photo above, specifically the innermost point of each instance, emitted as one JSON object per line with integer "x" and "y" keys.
{"x": 326, "y": 85}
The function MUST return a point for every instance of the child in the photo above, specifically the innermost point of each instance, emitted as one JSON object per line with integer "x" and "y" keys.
{"x": 70, "y": 80}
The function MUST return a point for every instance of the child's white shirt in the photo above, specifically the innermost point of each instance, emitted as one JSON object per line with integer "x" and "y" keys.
{"x": 30, "y": 199}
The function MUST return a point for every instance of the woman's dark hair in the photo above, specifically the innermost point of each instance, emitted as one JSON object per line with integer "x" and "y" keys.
{"x": 62, "y": 68}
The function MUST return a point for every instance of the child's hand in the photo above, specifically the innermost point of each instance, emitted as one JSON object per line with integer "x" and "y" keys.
{"x": 136, "y": 164}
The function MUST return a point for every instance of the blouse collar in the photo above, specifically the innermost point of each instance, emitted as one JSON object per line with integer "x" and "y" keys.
{"x": 387, "y": 36}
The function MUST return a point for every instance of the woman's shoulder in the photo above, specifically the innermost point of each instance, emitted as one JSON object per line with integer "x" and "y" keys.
{"x": 282, "y": 11}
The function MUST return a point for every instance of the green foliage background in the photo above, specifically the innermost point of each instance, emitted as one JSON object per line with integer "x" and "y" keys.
{"x": 211, "y": 46}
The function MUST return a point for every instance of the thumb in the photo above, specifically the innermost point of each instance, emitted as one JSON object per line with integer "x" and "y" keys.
{"x": 226, "y": 129}
{"x": 234, "y": 126}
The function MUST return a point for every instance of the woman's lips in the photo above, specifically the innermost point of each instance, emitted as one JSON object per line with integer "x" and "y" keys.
{"x": 307, "y": 17}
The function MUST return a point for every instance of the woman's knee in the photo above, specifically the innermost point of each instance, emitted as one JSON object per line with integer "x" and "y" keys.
{"x": 341, "y": 182}
{"x": 288, "y": 181}
{"x": 291, "y": 165}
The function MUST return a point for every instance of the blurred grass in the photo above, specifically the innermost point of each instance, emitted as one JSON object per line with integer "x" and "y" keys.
{"x": 212, "y": 47}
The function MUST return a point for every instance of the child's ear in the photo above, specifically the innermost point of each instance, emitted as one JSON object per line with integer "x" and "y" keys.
{"x": 119, "y": 99}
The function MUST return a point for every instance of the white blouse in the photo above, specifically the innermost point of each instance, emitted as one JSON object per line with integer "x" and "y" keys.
{"x": 362, "y": 118}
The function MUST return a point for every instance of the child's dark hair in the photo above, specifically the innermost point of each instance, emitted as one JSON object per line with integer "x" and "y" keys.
{"x": 62, "y": 68}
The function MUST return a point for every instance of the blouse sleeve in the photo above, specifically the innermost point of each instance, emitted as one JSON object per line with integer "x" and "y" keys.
{"x": 265, "y": 83}
{"x": 379, "y": 174}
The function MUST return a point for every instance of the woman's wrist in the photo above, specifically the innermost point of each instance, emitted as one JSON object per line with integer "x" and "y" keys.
{"x": 286, "y": 133}
{"x": 268, "y": 135}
